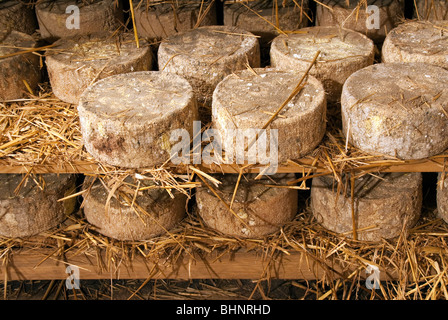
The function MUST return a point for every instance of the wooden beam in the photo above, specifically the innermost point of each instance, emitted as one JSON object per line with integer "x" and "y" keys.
{"x": 36, "y": 265}
{"x": 434, "y": 164}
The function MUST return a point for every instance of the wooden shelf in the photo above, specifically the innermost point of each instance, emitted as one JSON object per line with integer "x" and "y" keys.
{"x": 28, "y": 265}
{"x": 433, "y": 164}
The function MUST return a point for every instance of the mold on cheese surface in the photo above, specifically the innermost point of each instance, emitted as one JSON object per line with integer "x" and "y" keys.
{"x": 95, "y": 16}
{"x": 247, "y": 99}
{"x": 204, "y": 56}
{"x": 397, "y": 110}
{"x": 257, "y": 210}
{"x": 126, "y": 120}
{"x": 384, "y": 204}
{"x": 418, "y": 41}
{"x": 16, "y": 68}
{"x": 153, "y": 212}
{"x": 74, "y": 64}
{"x": 342, "y": 52}
{"x": 31, "y": 206}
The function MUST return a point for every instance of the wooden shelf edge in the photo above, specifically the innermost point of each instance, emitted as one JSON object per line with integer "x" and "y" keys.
{"x": 28, "y": 265}
{"x": 434, "y": 164}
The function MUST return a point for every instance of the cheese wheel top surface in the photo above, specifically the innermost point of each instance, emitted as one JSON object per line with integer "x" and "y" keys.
{"x": 421, "y": 37}
{"x": 98, "y": 49}
{"x": 417, "y": 86}
{"x": 334, "y": 44}
{"x": 209, "y": 44}
{"x": 252, "y": 98}
{"x": 132, "y": 96}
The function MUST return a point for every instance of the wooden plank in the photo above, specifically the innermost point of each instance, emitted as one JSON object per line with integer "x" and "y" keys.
{"x": 434, "y": 164}
{"x": 29, "y": 265}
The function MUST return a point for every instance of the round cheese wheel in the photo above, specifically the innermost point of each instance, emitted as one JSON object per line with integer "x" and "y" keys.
{"x": 261, "y": 17}
{"x": 17, "y": 70}
{"x": 247, "y": 100}
{"x": 258, "y": 209}
{"x": 70, "y": 18}
{"x": 418, "y": 41}
{"x": 342, "y": 53}
{"x": 160, "y": 19}
{"x": 383, "y": 204}
{"x": 374, "y": 22}
{"x": 28, "y": 208}
{"x": 17, "y": 15}
{"x": 153, "y": 213}
{"x": 74, "y": 64}
{"x": 442, "y": 197}
{"x": 204, "y": 56}
{"x": 432, "y": 10}
{"x": 397, "y": 110}
{"x": 127, "y": 119}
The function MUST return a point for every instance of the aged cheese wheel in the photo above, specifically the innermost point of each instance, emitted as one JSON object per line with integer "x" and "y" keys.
{"x": 261, "y": 17}
{"x": 245, "y": 100}
{"x": 17, "y": 15}
{"x": 160, "y": 19}
{"x": 442, "y": 197}
{"x": 374, "y": 22}
{"x": 383, "y": 205}
{"x": 397, "y": 109}
{"x": 35, "y": 208}
{"x": 432, "y": 10}
{"x": 204, "y": 56}
{"x": 153, "y": 214}
{"x": 127, "y": 120}
{"x": 74, "y": 64}
{"x": 258, "y": 209}
{"x": 59, "y": 19}
{"x": 342, "y": 53}
{"x": 418, "y": 41}
{"x": 17, "y": 70}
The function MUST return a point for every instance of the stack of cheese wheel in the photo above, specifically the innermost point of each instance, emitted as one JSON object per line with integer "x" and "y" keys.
{"x": 20, "y": 73}
{"x": 127, "y": 120}
{"x": 432, "y": 10}
{"x": 17, "y": 15}
{"x": 70, "y": 18}
{"x": 74, "y": 64}
{"x": 204, "y": 56}
{"x": 266, "y": 18}
{"x": 155, "y": 19}
{"x": 397, "y": 110}
{"x": 31, "y": 206}
{"x": 381, "y": 208}
{"x": 247, "y": 100}
{"x": 258, "y": 209}
{"x": 418, "y": 41}
{"x": 374, "y": 20}
{"x": 151, "y": 213}
{"x": 442, "y": 197}
{"x": 342, "y": 52}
